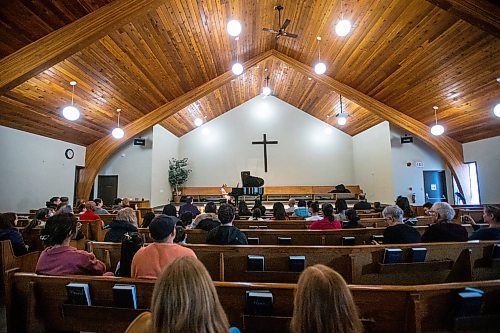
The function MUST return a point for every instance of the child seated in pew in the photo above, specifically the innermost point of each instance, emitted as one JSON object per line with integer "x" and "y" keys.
{"x": 323, "y": 303}
{"x": 59, "y": 258}
{"x": 184, "y": 300}
{"x": 352, "y": 220}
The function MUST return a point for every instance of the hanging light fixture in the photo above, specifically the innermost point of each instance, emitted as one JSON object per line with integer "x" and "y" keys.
{"x": 343, "y": 27}
{"x": 341, "y": 117}
{"x": 436, "y": 129}
{"x": 71, "y": 112}
{"x": 198, "y": 122}
{"x": 237, "y": 67}
{"x": 234, "y": 28}
{"x": 319, "y": 68}
{"x": 496, "y": 110}
{"x": 118, "y": 133}
{"x": 266, "y": 91}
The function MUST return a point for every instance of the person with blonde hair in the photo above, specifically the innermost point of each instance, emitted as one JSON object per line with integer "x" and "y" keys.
{"x": 184, "y": 300}
{"x": 126, "y": 221}
{"x": 323, "y": 303}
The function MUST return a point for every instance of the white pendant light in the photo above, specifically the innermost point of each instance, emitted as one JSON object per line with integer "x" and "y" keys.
{"x": 496, "y": 110}
{"x": 436, "y": 129}
{"x": 319, "y": 68}
{"x": 118, "y": 133}
{"x": 234, "y": 28}
{"x": 343, "y": 27}
{"x": 237, "y": 68}
{"x": 198, "y": 122}
{"x": 71, "y": 112}
{"x": 266, "y": 91}
{"x": 341, "y": 117}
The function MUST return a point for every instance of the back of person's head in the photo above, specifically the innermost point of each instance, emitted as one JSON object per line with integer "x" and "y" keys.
{"x": 185, "y": 300}
{"x": 131, "y": 243}
{"x": 315, "y": 207}
{"x": 309, "y": 203}
{"x": 98, "y": 201}
{"x": 302, "y": 203}
{"x": 43, "y": 214}
{"x": 243, "y": 208}
{"x": 58, "y": 228}
{"x": 256, "y": 214}
{"x": 55, "y": 200}
{"x": 352, "y": 215}
{"x": 125, "y": 202}
{"x": 65, "y": 200}
{"x": 148, "y": 217}
{"x": 81, "y": 208}
{"x": 90, "y": 205}
{"x": 186, "y": 218}
{"x": 211, "y": 207}
{"x": 340, "y": 205}
{"x": 127, "y": 214}
{"x": 427, "y": 205}
{"x": 291, "y": 202}
{"x": 180, "y": 234}
{"x": 493, "y": 210}
{"x": 443, "y": 210}
{"x": 117, "y": 201}
{"x": 169, "y": 210}
{"x": 323, "y": 303}
{"x": 403, "y": 203}
{"x": 394, "y": 212}
{"x": 279, "y": 212}
{"x": 328, "y": 211}
{"x": 226, "y": 213}
{"x": 362, "y": 196}
{"x": 376, "y": 204}
{"x": 189, "y": 200}
{"x": 162, "y": 227}
{"x": 8, "y": 220}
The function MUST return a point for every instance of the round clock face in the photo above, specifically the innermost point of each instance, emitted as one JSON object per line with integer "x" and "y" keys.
{"x": 69, "y": 153}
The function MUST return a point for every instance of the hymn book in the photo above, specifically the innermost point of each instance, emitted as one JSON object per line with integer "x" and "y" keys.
{"x": 125, "y": 296}
{"x": 418, "y": 254}
{"x": 78, "y": 293}
{"x": 392, "y": 256}
{"x": 255, "y": 263}
{"x": 259, "y": 302}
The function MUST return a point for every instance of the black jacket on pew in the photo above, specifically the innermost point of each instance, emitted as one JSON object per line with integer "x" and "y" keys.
{"x": 226, "y": 235}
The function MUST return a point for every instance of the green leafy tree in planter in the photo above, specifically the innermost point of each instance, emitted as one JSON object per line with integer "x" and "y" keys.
{"x": 178, "y": 173}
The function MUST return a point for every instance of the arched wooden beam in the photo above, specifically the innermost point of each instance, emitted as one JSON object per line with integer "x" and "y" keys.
{"x": 450, "y": 149}
{"x": 100, "y": 151}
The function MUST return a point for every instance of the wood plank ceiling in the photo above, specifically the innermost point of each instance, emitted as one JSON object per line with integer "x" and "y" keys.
{"x": 409, "y": 54}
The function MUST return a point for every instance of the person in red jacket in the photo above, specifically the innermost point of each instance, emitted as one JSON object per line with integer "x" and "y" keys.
{"x": 328, "y": 221}
{"x": 89, "y": 214}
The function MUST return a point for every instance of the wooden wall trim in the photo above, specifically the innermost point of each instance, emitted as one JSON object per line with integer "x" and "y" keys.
{"x": 448, "y": 148}
{"x": 100, "y": 151}
{"x": 66, "y": 41}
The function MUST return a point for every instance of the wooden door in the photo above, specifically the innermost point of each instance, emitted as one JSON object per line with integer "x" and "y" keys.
{"x": 107, "y": 189}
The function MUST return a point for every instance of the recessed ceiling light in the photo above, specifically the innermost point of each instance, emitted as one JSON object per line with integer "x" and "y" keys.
{"x": 496, "y": 110}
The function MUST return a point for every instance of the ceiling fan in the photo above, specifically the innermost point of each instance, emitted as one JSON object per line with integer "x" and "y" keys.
{"x": 282, "y": 30}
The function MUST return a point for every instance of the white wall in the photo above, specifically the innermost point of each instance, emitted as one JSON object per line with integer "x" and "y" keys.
{"x": 487, "y": 155}
{"x": 33, "y": 169}
{"x": 304, "y": 155}
{"x": 165, "y": 146}
{"x": 132, "y": 164}
{"x": 373, "y": 163}
{"x": 406, "y": 177}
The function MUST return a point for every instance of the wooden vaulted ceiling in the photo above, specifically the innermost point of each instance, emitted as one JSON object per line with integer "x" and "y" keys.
{"x": 408, "y": 54}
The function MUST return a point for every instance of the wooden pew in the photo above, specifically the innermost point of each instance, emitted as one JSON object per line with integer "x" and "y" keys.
{"x": 445, "y": 262}
{"x": 38, "y": 303}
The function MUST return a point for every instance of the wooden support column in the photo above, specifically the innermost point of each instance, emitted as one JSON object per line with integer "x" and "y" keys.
{"x": 448, "y": 148}
{"x": 100, "y": 151}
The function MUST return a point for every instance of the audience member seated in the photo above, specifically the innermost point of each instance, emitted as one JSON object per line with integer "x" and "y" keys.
{"x": 189, "y": 207}
{"x": 377, "y": 207}
{"x": 404, "y": 204}
{"x": 89, "y": 214}
{"x": 117, "y": 205}
{"x": 352, "y": 220}
{"x": 291, "y": 206}
{"x": 184, "y": 300}
{"x": 491, "y": 215}
{"x": 227, "y": 234}
{"x": 444, "y": 229}
{"x": 126, "y": 221}
{"x": 340, "y": 208}
{"x": 363, "y": 204}
{"x": 323, "y": 303}
{"x": 397, "y": 232}
{"x": 186, "y": 220}
{"x": 314, "y": 212}
{"x": 150, "y": 260}
{"x": 64, "y": 207}
{"x": 243, "y": 209}
{"x": 53, "y": 203}
{"x": 146, "y": 220}
{"x": 328, "y": 221}
{"x": 170, "y": 210}
{"x": 279, "y": 212}
{"x": 8, "y": 232}
{"x": 208, "y": 220}
{"x": 180, "y": 235}
{"x": 99, "y": 203}
{"x": 258, "y": 204}
{"x": 131, "y": 243}
{"x": 301, "y": 210}
{"x": 41, "y": 217}
{"x": 80, "y": 208}
{"x": 427, "y": 207}
{"x": 59, "y": 258}
{"x": 126, "y": 204}
{"x": 256, "y": 215}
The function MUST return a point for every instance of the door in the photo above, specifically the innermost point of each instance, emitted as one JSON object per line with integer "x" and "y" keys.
{"x": 435, "y": 186}
{"x": 107, "y": 189}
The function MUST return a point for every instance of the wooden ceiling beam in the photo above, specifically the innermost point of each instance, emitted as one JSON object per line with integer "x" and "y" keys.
{"x": 483, "y": 14}
{"x": 66, "y": 41}
{"x": 448, "y": 148}
{"x": 100, "y": 151}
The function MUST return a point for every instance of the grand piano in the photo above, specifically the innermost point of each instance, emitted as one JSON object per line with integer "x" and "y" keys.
{"x": 251, "y": 186}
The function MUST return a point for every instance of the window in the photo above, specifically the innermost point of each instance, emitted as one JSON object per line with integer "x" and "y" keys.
{"x": 475, "y": 198}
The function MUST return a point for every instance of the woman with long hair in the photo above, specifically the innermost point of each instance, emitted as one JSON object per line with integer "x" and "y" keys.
{"x": 323, "y": 303}
{"x": 491, "y": 215}
{"x": 184, "y": 300}
{"x": 328, "y": 221}
{"x": 279, "y": 212}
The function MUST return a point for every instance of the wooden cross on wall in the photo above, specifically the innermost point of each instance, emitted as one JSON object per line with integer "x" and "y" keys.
{"x": 265, "y": 143}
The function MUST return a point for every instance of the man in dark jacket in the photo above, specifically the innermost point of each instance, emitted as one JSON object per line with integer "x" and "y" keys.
{"x": 189, "y": 207}
{"x": 226, "y": 234}
{"x": 397, "y": 232}
{"x": 363, "y": 204}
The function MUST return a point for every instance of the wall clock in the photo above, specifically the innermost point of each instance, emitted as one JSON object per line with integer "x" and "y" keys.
{"x": 69, "y": 153}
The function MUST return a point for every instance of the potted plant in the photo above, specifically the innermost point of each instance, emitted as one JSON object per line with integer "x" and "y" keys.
{"x": 177, "y": 175}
